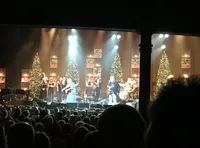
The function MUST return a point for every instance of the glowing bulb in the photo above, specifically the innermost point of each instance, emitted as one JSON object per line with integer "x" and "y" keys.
{"x": 161, "y": 36}
{"x": 170, "y": 76}
{"x": 116, "y": 47}
{"x": 135, "y": 56}
{"x": 166, "y": 35}
{"x": 118, "y": 36}
{"x": 163, "y": 46}
{"x": 114, "y": 36}
{"x": 185, "y": 76}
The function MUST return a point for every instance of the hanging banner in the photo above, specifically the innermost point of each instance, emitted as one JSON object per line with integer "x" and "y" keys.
{"x": 135, "y": 63}
{"x": 185, "y": 62}
{"x": 89, "y": 63}
{"x": 54, "y": 62}
{"x": 98, "y": 53}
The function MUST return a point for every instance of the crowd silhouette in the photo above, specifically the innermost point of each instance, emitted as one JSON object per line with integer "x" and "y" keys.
{"x": 173, "y": 123}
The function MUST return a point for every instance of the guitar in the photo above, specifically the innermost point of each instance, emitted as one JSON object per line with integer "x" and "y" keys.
{"x": 67, "y": 90}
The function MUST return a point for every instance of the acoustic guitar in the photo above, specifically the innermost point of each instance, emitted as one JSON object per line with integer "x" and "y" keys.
{"x": 67, "y": 90}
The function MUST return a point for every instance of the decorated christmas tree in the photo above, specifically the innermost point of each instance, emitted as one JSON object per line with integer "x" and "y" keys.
{"x": 116, "y": 69}
{"x": 35, "y": 77}
{"x": 72, "y": 72}
{"x": 163, "y": 71}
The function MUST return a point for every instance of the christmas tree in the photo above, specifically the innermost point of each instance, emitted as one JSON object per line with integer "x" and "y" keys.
{"x": 163, "y": 71}
{"x": 35, "y": 77}
{"x": 72, "y": 72}
{"x": 116, "y": 69}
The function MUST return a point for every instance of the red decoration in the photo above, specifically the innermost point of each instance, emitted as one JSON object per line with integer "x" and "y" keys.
{"x": 135, "y": 65}
{"x": 54, "y": 63}
{"x": 185, "y": 66}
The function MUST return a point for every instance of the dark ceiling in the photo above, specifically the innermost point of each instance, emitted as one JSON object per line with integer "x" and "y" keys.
{"x": 165, "y": 19}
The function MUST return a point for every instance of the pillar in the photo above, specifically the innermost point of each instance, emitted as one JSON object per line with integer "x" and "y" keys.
{"x": 145, "y": 72}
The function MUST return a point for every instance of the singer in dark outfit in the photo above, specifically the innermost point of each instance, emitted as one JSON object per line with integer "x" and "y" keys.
{"x": 98, "y": 84}
{"x": 43, "y": 90}
{"x": 59, "y": 89}
{"x": 51, "y": 86}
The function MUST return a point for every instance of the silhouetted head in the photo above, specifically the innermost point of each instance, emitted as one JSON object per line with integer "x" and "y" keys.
{"x": 123, "y": 125}
{"x": 20, "y": 135}
{"x": 174, "y": 115}
{"x": 42, "y": 140}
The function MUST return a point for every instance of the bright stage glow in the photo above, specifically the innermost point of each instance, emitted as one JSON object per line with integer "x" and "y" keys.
{"x": 161, "y": 36}
{"x": 163, "y": 46}
{"x": 166, "y": 35}
{"x": 114, "y": 36}
{"x": 170, "y": 76}
{"x": 118, "y": 36}
{"x": 185, "y": 76}
{"x": 116, "y": 47}
{"x": 70, "y": 37}
{"x": 73, "y": 30}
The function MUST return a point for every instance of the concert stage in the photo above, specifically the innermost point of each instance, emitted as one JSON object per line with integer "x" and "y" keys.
{"x": 102, "y": 104}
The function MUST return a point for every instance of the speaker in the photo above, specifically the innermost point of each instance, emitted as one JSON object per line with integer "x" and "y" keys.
{"x": 72, "y": 105}
{"x": 83, "y": 105}
{"x": 96, "y": 106}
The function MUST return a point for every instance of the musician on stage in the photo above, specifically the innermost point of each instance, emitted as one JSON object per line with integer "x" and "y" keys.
{"x": 129, "y": 89}
{"x": 43, "y": 91}
{"x": 51, "y": 85}
{"x": 97, "y": 85}
{"x": 70, "y": 91}
{"x": 59, "y": 89}
{"x": 113, "y": 91}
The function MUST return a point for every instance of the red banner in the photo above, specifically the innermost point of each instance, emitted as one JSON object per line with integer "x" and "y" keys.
{"x": 90, "y": 66}
{"x": 185, "y": 66}
{"x": 53, "y": 63}
{"x": 135, "y": 65}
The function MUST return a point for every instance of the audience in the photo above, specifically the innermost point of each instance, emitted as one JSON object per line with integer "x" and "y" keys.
{"x": 173, "y": 116}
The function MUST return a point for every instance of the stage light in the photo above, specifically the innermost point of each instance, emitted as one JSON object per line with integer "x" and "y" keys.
{"x": 163, "y": 47}
{"x": 116, "y": 47}
{"x": 118, "y": 36}
{"x": 70, "y": 37}
{"x": 97, "y": 65}
{"x": 114, "y": 36}
{"x": 135, "y": 56}
{"x": 186, "y": 55}
{"x": 135, "y": 75}
{"x": 185, "y": 76}
{"x": 74, "y": 37}
{"x": 161, "y": 36}
{"x": 166, "y": 35}
{"x": 73, "y": 30}
{"x": 170, "y": 76}
{"x": 25, "y": 75}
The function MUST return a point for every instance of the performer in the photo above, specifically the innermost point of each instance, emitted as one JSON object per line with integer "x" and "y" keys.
{"x": 129, "y": 89}
{"x": 113, "y": 90}
{"x": 43, "y": 90}
{"x": 51, "y": 86}
{"x": 97, "y": 85}
{"x": 70, "y": 91}
{"x": 59, "y": 89}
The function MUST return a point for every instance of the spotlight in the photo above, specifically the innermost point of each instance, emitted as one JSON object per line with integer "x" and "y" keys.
{"x": 118, "y": 36}
{"x": 166, "y": 35}
{"x": 74, "y": 37}
{"x": 116, "y": 47}
{"x": 185, "y": 76}
{"x": 70, "y": 37}
{"x": 114, "y": 36}
{"x": 163, "y": 47}
{"x": 73, "y": 30}
{"x": 161, "y": 36}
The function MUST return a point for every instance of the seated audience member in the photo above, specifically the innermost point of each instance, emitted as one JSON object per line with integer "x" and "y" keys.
{"x": 121, "y": 126}
{"x": 3, "y": 142}
{"x": 79, "y": 136}
{"x": 174, "y": 115}
{"x": 39, "y": 127}
{"x": 21, "y": 135}
{"x": 91, "y": 140}
{"x": 42, "y": 140}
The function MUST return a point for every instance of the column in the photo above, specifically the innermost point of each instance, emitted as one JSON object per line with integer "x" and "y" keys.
{"x": 145, "y": 72}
